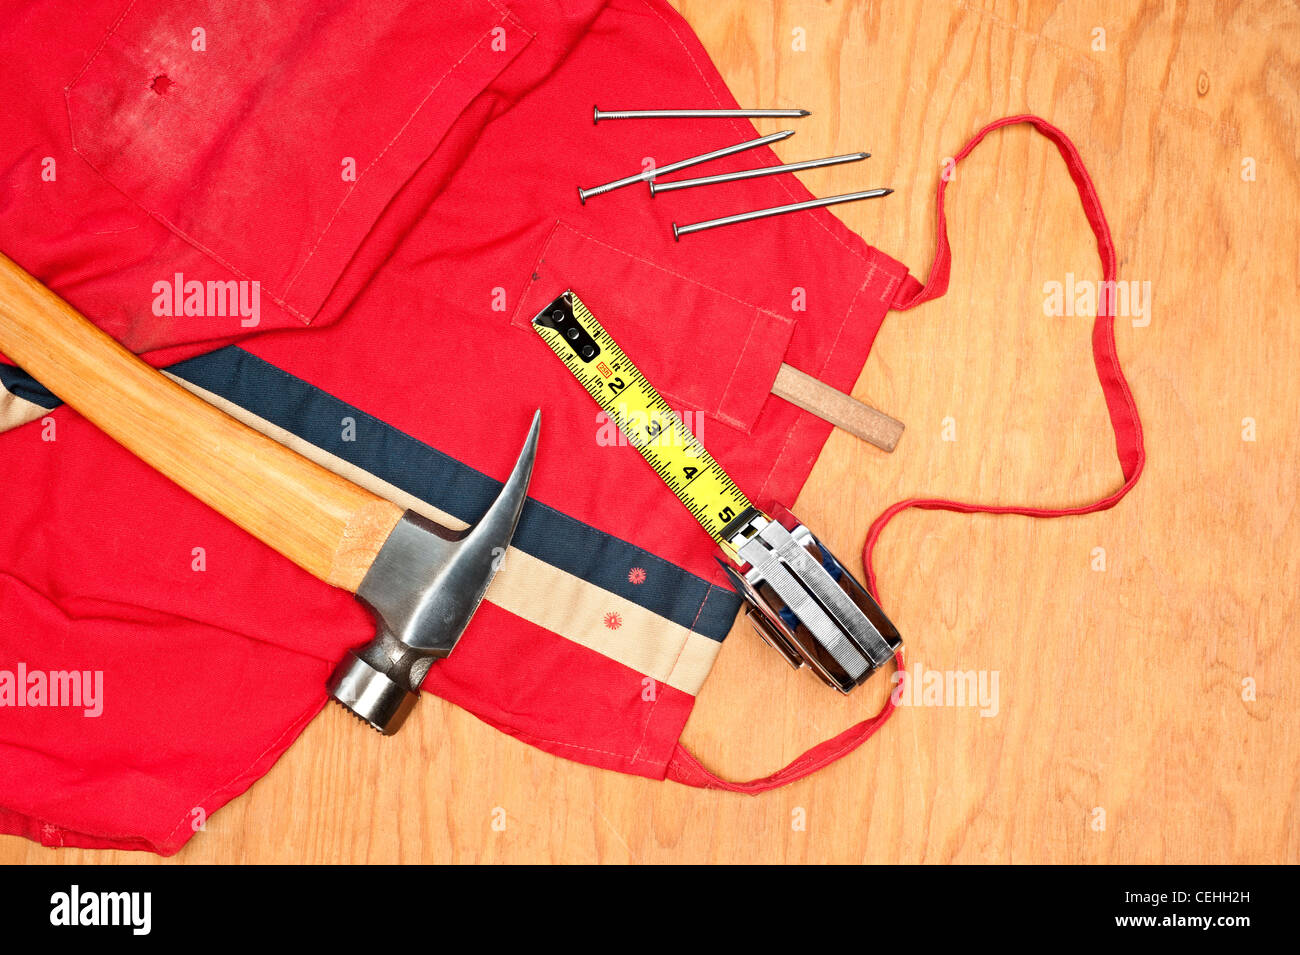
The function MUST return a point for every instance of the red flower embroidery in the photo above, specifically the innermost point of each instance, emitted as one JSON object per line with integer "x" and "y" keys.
{"x": 613, "y": 620}
{"x": 636, "y": 575}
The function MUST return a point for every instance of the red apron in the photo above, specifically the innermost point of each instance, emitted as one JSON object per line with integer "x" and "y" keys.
{"x": 399, "y": 181}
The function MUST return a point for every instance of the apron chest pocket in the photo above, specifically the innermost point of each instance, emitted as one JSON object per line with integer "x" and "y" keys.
{"x": 703, "y": 350}
{"x": 272, "y": 140}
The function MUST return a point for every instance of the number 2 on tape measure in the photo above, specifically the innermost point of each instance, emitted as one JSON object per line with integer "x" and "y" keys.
{"x": 650, "y": 425}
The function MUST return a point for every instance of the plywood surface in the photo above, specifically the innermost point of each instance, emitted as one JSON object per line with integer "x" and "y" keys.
{"x": 1160, "y": 691}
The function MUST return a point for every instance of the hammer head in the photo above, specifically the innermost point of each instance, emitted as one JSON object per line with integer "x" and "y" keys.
{"x": 423, "y": 588}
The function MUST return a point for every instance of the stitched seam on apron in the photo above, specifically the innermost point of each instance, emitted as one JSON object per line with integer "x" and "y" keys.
{"x": 396, "y": 136}
{"x": 296, "y": 725}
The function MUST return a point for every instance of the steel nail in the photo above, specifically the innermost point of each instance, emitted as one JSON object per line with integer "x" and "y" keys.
{"x": 679, "y": 231}
{"x": 649, "y": 174}
{"x": 597, "y": 114}
{"x": 658, "y": 187}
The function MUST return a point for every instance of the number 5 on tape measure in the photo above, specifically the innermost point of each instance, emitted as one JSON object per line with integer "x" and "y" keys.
{"x": 802, "y": 600}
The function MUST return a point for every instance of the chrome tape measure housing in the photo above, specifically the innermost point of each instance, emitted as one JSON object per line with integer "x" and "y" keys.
{"x": 808, "y": 607}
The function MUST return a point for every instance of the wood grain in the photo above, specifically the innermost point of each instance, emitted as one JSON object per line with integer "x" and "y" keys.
{"x": 323, "y": 523}
{"x": 1121, "y": 689}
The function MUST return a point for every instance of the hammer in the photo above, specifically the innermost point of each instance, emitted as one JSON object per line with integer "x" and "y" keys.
{"x": 421, "y": 581}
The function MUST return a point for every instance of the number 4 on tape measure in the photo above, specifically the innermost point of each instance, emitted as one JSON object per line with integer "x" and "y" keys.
{"x": 802, "y": 600}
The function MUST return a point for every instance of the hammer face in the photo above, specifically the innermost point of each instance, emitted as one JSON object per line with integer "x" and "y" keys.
{"x": 371, "y": 694}
{"x": 423, "y": 588}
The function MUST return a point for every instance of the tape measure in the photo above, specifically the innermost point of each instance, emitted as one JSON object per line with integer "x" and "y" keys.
{"x": 803, "y": 601}
{"x": 640, "y": 412}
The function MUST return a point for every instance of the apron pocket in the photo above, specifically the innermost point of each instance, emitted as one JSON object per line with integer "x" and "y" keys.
{"x": 702, "y": 349}
{"x": 272, "y": 136}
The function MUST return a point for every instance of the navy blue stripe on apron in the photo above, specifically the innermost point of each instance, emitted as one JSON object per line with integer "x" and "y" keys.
{"x": 457, "y": 489}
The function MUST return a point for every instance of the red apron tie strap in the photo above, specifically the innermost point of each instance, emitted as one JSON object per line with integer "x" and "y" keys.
{"x": 1119, "y": 399}
{"x": 683, "y": 766}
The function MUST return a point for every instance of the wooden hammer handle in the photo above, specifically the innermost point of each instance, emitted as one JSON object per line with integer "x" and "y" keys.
{"x": 323, "y": 523}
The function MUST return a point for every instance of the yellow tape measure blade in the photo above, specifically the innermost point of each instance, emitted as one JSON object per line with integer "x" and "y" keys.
{"x": 652, "y": 427}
